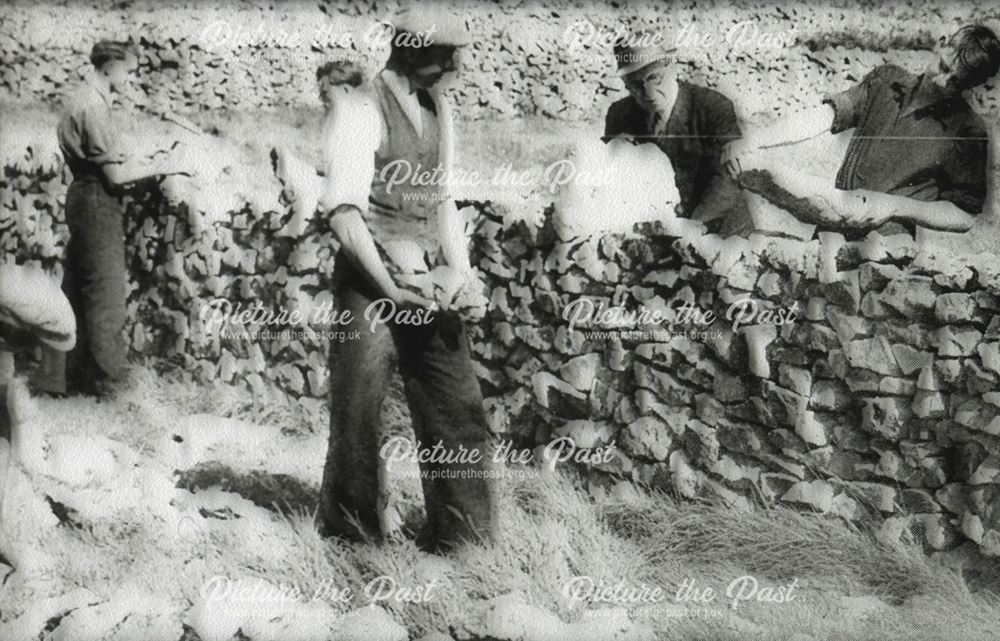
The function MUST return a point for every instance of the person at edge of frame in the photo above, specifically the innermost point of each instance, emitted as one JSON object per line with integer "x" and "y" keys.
{"x": 94, "y": 277}
{"x": 689, "y": 123}
{"x": 917, "y": 154}
{"x": 400, "y": 116}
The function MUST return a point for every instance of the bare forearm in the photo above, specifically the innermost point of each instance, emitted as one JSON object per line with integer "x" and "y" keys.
{"x": 358, "y": 245}
{"x": 451, "y": 230}
{"x": 862, "y": 208}
{"x": 131, "y": 171}
{"x": 938, "y": 214}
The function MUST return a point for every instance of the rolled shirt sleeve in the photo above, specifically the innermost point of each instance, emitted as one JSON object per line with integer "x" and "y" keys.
{"x": 88, "y": 135}
{"x": 99, "y": 140}
{"x": 353, "y": 132}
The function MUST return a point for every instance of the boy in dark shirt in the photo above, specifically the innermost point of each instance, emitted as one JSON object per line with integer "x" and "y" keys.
{"x": 918, "y": 152}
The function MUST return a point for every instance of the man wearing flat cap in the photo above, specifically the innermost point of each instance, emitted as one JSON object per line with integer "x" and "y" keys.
{"x": 691, "y": 124}
{"x": 401, "y": 120}
{"x": 94, "y": 271}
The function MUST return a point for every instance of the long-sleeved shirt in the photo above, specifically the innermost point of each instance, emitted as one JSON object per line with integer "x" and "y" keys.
{"x": 911, "y": 139}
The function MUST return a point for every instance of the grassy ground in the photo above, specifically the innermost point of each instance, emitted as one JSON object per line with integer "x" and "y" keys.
{"x": 169, "y": 485}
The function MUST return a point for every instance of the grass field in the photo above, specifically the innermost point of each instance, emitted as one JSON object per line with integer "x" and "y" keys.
{"x": 151, "y": 497}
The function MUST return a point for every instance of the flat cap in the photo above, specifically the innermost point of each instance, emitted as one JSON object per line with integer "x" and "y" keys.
{"x": 435, "y": 24}
{"x": 31, "y": 301}
{"x": 635, "y": 51}
{"x": 106, "y": 50}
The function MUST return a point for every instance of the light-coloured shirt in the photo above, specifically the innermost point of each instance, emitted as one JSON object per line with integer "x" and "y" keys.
{"x": 386, "y": 131}
{"x": 87, "y": 132}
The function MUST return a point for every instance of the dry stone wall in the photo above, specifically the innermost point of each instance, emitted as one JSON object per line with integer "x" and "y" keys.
{"x": 859, "y": 378}
{"x": 548, "y": 61}
{"x": 856, "y": 378}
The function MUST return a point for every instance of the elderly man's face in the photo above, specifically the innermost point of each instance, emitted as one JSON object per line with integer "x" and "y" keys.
{"x": 653, "y": 86}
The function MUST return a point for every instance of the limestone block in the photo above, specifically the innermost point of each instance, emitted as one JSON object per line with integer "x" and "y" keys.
{"x": 568, "y": 341}
{"x": 829, "y": 395}
{"x": 875, "y": 276}
{"x": 797, "y": 379}
{"x": 873, "y": 354}
{"x": 910, "y": 359}
{"x": 848, "y": 326}
{"x": 587, "y": 434}
{"x": 702, "y": 442}
{"x": 989, "y": 352}
{"x": 683, "y": 476}
{"x": 559, "y": 397}
{"x": 955, "y": 308}
{"x": 928, "y": 404}
{"x": 581, "y": 371}
{"x": 885, "y": 416}
{"x": 957, "y": 341}
{"x": 648, "y": 437}
{"x": 972, "y": 527}
{"x": 809, "y": 429}
{"x": 668, "y": 388}
{"x": 817, "y": 494}
{"x": 910, "y": 296}
{"x": 758, "y": 337}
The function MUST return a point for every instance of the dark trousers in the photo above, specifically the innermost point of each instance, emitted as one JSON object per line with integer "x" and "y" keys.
{"x": 446, "y": 405}
{"x": 94, "y": 281}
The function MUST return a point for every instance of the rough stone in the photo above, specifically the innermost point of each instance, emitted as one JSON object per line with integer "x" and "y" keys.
{"x": 830, "y": 395}
{"x": 873, "y": 354}
{"x": 817, "y": 494}
{"x": 955, "y": 308}
{"x": 957, "y": 341}
{"x": 587, "y": 434}
{"x": 581, "y": 371}
{"x": 989, "y": 352}
{"x": 648, "y": 437}
{"x": 910, "y": 296}
{"x": 885, "y": 416}
{"x": 559, "y": 397}
{"x": 910, "y": 359}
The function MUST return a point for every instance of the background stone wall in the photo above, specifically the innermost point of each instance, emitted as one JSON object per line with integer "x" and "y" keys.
{"x": 254, "y": 56}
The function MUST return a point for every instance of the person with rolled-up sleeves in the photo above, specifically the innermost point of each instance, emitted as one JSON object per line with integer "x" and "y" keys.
{"x": 94, "y": 270}
{"x": 400, "y": 117}
{"x": 917, "y": 154}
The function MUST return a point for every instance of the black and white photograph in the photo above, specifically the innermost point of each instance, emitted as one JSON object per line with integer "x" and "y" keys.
{"x": 522, "y": 320}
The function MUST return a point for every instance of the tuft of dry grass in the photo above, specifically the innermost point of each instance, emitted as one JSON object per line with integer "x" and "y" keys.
{"x": 849, "y": 585}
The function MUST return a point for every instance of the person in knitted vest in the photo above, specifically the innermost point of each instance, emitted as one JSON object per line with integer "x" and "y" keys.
{"x": 389, "y": 151}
